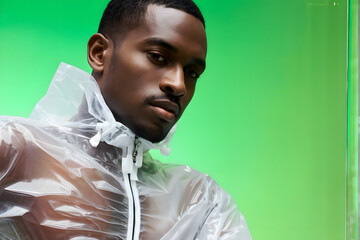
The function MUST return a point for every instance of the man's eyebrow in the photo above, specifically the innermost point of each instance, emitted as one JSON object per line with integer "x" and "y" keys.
{"x": 165, "y": 44}
{"x": 162, "y": 43}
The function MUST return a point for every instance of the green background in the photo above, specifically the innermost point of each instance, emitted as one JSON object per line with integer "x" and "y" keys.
{"x": 268, "y": 121}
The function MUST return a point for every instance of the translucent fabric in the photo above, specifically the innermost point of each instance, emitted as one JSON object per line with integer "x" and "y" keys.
{"x": 71, "y": 171}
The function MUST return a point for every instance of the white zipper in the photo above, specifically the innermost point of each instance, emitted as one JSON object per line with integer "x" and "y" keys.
{"x": 130, "y": 164}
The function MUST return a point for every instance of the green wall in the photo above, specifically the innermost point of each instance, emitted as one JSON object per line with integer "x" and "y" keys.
{"x": 268, "y": 121}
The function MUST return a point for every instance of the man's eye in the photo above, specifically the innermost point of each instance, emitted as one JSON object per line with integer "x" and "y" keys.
{"x": 157, "y": 57}
{"x": 191, "y": 73}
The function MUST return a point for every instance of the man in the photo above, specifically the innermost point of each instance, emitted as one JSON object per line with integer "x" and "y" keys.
{"x": 79, "y": 167}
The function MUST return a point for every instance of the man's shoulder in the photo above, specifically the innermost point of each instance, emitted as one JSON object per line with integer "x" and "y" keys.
{"x": 14, "y": 133}
{"x": 27, "y": 145}
{"x": 21, "y": 132}
{"x": 19, "y": 125}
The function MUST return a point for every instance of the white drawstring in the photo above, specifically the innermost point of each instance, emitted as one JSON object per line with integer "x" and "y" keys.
{"x": 103, "y": 129}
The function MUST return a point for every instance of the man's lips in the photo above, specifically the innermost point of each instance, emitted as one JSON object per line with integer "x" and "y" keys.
{"x": 165, "y": 108}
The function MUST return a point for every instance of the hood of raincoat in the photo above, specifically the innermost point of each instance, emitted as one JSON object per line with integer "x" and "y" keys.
{"x": 71, "y": 171}
{"x": 74, "y": 98}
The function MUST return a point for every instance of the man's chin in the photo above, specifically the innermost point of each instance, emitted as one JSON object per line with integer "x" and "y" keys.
{"x": 153, "y": 134}
{"x": 152, "y": 131}
{"x": 153, "y": 137}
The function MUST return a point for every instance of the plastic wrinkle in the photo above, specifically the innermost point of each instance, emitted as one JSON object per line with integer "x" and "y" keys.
{"x": 14, "y": 211}
{"x": 39, "y": 187}
{"x": 70, "y": 171}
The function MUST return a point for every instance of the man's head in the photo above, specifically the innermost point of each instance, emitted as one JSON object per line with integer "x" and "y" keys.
{"x": 123, "y": 15}
{"x": 146, "y": 60}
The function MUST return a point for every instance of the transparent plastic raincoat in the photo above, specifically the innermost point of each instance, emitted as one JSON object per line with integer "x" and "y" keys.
{"x": 71, "y": 171}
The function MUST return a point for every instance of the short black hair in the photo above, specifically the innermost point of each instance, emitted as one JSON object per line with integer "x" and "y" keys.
{"x": 123, "y": 15}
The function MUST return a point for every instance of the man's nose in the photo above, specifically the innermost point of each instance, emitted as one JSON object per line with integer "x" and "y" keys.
{"x": 173, "y": 81}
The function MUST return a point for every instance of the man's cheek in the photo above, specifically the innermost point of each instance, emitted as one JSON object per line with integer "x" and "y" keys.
{"x": 138, "y": 63}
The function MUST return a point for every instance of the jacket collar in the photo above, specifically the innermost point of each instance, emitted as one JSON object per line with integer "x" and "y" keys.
{"x": 72, "y": 86}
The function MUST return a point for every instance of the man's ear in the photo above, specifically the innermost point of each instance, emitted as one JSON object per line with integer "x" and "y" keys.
{"x": 98, "y": 52}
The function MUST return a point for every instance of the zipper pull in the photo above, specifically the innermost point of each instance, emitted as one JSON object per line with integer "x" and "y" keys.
{"x": 129, "y": 165}
{"x": 137, "y": 158}
{"x": 137, "y": 143}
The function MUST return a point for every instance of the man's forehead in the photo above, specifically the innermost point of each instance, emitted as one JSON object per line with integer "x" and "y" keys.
{"x": 174, "y": 26}
{"x": 162, "y": 16}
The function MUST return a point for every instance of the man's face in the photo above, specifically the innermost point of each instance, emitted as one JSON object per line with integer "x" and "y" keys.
{"x": 150, "y": 77}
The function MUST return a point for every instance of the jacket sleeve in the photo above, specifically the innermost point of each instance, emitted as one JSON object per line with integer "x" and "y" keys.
{"x": 224, "y": 221}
